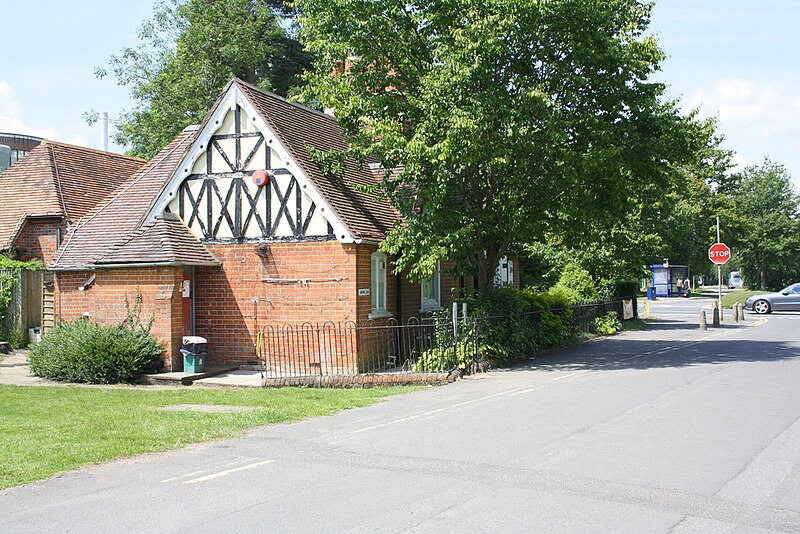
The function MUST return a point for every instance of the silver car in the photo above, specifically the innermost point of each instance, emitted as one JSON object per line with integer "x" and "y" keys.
{"x": 788, "y": 299}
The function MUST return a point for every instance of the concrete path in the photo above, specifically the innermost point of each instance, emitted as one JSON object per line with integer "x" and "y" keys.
{"x": 14, "y": 371}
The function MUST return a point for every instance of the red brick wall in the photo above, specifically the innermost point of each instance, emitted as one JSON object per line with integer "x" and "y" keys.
{"x": 38, "y": 239}
{"x": 70, "y": 302}
{"x": 293, "y": 283}
{"x": 104, "y": 301}
{"x": 410, "y": 292}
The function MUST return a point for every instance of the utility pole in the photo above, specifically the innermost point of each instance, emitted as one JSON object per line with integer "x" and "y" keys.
{"x": 104, "y": 132}
{"x": 719, "y": 274}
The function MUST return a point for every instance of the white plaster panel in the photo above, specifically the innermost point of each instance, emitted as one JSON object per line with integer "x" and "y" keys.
{"x": 218, "y": 163}
{"x": 228, "y": 124}
{"x": 258, "y": 161}
{"x": 224, "y": 231}
{"x": 199, "y": 166}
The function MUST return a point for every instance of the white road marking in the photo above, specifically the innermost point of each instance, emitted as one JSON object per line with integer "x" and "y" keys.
{"x": 569, "y": 375}
{"x": 417, "y": 417}
{"x": 522, "y": 392}
{"x": 193, "y": 473}
{"x": 227, "y": 472}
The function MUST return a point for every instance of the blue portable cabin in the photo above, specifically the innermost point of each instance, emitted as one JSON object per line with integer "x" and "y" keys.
{"x": 665, "y": 278}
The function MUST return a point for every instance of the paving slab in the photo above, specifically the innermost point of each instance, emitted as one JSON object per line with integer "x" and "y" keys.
{"x": 187, "y": 379}
{"x": 15, "y": 371}
{"x": 239, "y": 378}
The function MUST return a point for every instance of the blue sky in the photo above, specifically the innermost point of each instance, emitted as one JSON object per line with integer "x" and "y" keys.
{"x": 736, "y": 60}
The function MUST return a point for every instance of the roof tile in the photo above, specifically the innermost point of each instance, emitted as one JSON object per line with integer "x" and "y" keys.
{"x": 165, "y": 240}
{"x": 59, "y": 180}
{"x": 367, "y": 216}
{"x": 114, "y": 223}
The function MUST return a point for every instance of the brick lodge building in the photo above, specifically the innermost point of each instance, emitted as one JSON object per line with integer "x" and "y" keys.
{"x": 232, "y": 227}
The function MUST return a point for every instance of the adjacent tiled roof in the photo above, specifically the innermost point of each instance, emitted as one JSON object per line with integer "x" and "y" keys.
{"x": 165, "y": 240}
{"x": 58, "y": 180}
{"x": 367, "y": 216}
{"x": 115, "y": 229}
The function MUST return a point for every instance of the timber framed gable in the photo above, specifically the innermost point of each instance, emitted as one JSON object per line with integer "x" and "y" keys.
{"x": 238, "y": 183}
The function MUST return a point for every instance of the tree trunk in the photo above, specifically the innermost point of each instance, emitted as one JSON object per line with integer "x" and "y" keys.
{"x": 487, "y": 268}
{"x": 763, "y": 275}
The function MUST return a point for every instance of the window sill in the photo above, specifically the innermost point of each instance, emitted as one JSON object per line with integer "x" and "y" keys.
{"x": 379, "y": 314}
{"x": 430, "y": 309}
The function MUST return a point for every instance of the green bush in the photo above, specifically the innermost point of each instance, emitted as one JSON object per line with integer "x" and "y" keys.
{"x": 443, "y": 359}
{"x": 608, "y": 324}
{"x": 577, "y": 283}
{"x": 505, "y": 330}
{"x": 625, "y": 290}
{"x": 515, "y": 324}
{"x": 15, "y": 335}
{"x": 84, "y": 351}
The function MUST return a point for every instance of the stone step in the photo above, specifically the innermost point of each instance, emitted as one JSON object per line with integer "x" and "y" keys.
{"x": 186, "y": 379}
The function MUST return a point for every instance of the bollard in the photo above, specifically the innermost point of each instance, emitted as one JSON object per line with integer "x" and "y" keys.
{"x": 647, "y": 309}
{"x": 703, "y": 323}
{"x": 715, "y": 315}
{"x": 736, "y": 312}
{"x": 741, "y": 312}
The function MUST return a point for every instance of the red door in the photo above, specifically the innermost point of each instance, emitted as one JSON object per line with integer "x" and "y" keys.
{"x": 187, "y": 304}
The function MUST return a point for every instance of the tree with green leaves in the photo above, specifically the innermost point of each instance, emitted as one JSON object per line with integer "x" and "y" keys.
{"x": 188, "y": 51}
{"x": 768, "y": 244}
{"x": 497, "y": 122}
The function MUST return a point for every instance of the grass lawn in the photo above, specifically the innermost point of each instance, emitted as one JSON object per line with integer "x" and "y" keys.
{"x": 633, "y": 324}
{"x": 49, "y": 430}
{"x": 740, "y": 295}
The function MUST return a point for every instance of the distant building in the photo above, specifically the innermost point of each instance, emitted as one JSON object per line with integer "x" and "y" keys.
{"x": 14, "y": 146}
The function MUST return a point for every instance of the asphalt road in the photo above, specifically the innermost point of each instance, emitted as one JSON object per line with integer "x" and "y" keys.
{"x": 668, "y": 429}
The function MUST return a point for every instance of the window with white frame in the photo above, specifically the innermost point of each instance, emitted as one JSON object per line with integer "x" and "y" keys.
{"x": 431, "y": 292}
{"x": 505, "y": 272}
{"x": 378, "y": 285}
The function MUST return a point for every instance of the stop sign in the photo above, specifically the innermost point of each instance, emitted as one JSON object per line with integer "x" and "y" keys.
{"x": 719, "y": 253}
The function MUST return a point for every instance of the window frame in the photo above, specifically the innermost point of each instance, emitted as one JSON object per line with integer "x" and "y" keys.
{"x": 504, "y": 275}
{"x": 378, "y": 299}
{"x": 435, "y": 284}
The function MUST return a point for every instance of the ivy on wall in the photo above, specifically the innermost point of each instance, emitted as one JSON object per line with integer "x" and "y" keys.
{"x": 9, "y": 275}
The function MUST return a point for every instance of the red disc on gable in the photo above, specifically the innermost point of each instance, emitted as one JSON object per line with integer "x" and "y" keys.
{"x": 261, "y": 178}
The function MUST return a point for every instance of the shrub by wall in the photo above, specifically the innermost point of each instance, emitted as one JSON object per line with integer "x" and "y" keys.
{"x": 84, "y": 351}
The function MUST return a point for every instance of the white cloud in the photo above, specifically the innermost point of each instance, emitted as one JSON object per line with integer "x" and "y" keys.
{"x": 10, "y": 116}
{"x": 763, "y": 109}
{"x": 739, "y": 163}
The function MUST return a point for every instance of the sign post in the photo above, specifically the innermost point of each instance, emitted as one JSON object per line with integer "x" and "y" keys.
{"x": 719, "y": 253}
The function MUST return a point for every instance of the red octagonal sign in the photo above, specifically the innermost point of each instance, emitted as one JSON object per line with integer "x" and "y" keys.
{"x": 719, "y": 253}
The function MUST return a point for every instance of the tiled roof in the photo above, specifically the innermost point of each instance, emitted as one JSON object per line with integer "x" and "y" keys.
{"x": 367, "y": 216}
{"x": 107, "y": 230}
{"x": 165, "y": 240}
{"x": 114, "y": 233}
{"x": 59, "y": 180}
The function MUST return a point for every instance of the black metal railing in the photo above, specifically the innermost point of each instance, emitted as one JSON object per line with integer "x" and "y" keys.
{"x": 425, "y": 345}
